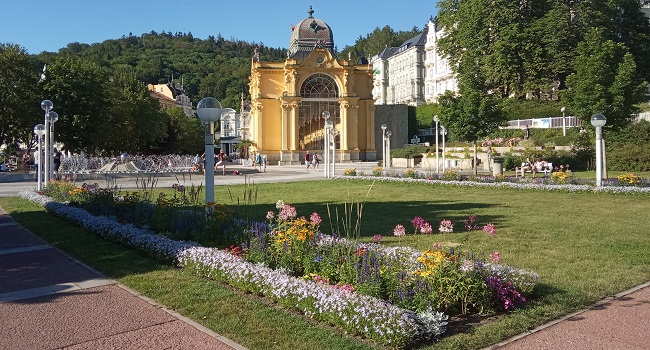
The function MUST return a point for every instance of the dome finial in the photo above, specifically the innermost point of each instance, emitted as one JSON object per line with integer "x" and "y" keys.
{"x": 310, "y": 12}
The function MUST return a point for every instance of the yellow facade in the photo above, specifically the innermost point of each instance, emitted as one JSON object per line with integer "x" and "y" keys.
{"x": 288, "y": 98}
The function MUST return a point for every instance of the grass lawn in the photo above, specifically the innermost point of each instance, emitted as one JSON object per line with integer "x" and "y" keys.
{"x": 584, "y": 247}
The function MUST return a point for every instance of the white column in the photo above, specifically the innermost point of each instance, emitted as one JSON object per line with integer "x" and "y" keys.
{"x": 209, "y": 163}
{"x": 599, "y": 156}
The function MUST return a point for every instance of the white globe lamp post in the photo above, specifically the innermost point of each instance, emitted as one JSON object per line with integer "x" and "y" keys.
{"x": 598, "y": 120}
{"x": 47, "y": 106}
{"x": 39, "y": 130}
{"x": 209, "y": 111}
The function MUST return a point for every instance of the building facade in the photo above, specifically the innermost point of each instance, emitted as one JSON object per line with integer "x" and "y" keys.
{"x": 439, "y": 75}
{"x": 400, "y": 73}
{"x": 288, "y": 100}
{"x": 414, "y": 73}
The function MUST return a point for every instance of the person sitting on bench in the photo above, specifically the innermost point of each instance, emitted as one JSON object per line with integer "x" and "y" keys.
{"x": 540, "y": 166}
{"x": 525, "y": 166}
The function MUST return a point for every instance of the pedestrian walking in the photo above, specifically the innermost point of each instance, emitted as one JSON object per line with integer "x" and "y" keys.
{"x": 307, "y": 160}
{"x": 221, "y": 161}
{"x": 315, "y": 161}
{"x": 258, "y": 160}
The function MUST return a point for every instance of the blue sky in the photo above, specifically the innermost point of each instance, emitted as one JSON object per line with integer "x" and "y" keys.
{"x": 47, "y": 25}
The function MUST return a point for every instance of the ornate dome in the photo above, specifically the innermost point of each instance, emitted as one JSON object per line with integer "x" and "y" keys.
{"x": 308, "y": 34}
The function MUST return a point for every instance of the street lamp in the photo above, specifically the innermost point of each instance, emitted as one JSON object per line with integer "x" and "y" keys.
{"x": 598, "y": 120}
{"x": 334, "y": 133}
{"x": 388, "y": 133}
{"x": 53, "y": 117}
{"x": 383, "y": 143}
{"x": 563, "y": 110}
{"x": 47, "y": 106}
{"x": 436, "y": 119}
{"x": 326, "y": 142}
{"x": 209, "y": 111}
{"x": 443, "y": 132}
{"x": 39, "y": 130}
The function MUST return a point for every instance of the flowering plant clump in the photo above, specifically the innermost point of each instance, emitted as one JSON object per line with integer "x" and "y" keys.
{"x": 421, "y": 226}
{"x": 470, "y": 223}
{"x": 377, "y": 171}
{"x": 446, "y": 226}
{"x": 350, "y": 172}
{"x": 560, "y": 177}
{"x": 376, "y": 238}
{"x": 399, "y": 231}
{"x": 410, "y": 173}
{"x": 629, "y": 179}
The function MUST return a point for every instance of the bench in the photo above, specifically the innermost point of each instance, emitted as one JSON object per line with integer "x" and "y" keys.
{"x": 546, "y": 170}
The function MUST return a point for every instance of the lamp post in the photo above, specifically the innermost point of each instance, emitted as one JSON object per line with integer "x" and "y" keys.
{"x": 436, "y": 119}
{"x": 326, "y": 143}
{"x": 443, "y": 132}
{"x": 47, "y": 106}
{"x": 53, "y": 117}
{"x": 598, "y": 120}
{"x": 388, "y": 133}
{"x": 383, "y": 143}
{"x": 563, "y": 110}
{"x": 334, "y": 133}
{"x": 209, "y": 111}
{"x": 39, "y": 130}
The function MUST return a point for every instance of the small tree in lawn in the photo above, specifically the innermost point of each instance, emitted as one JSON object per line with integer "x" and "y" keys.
{"x": 470, "y": 116}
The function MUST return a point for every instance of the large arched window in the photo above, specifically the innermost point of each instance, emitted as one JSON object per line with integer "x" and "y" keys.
{"x": 319, "y": 93}
{"x": 319, "y": 86}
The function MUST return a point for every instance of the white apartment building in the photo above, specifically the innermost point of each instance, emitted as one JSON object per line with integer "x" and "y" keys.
{"x": 400, "y": 73}
{"x": 439, "y": 75}
{"x": 413, "y": 73}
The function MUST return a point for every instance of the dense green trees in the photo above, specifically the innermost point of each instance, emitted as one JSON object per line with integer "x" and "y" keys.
{"x": 375, "y": 42}
{"x": 591, "y": 54}
{"x": 19, "y": 94}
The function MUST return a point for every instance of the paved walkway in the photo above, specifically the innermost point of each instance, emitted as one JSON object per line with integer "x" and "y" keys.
{"x": 50, "y": 301}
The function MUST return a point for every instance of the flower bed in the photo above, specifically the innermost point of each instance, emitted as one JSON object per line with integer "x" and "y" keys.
{"x": 392, "y": 295}
{"x": 489, "y": 181}
{"x": 358, "y": 314}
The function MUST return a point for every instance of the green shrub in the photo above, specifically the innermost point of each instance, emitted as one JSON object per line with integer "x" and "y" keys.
{"x": 628, "y": 157}
{"x": 412, "y": 151}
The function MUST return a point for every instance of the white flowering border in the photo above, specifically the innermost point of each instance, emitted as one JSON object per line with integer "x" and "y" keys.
{"x": 512, "y": 185}
{"x": 359, "y": 314}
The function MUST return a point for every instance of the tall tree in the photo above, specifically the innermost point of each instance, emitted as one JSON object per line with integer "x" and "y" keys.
{"x": 19, "y": 94}
{"x": 605, "y": 81}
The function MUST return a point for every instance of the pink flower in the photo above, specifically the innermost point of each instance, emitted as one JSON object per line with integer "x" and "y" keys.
{"x": 315, "y": 218}
{"x": 495, "y": 257}
{"x": 399, "y": 231}
{"x": 287, "y": 212}
{"x": 426, "y": 229}
{"x": 270, "y": 215}
{"x": 376, "y": 238}
{"x": 417, "y": 222}
{"x": 437, "y": 246}
{"x": 467, "y": 266}
{"x": 446, "y": 226}
{"x": 490, "y": 229}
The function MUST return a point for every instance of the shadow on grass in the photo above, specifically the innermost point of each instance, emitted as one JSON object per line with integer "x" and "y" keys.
{"x": 382, "y": 217}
